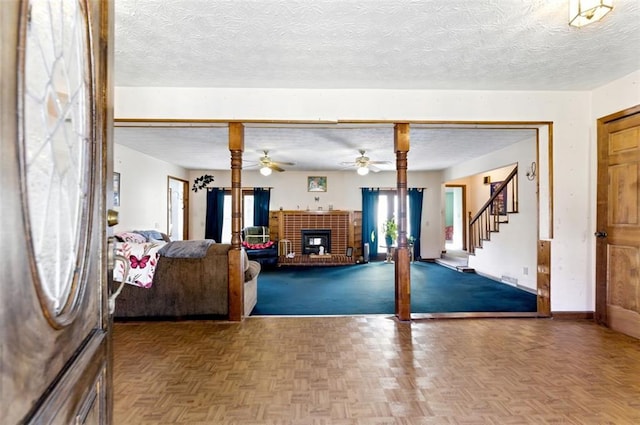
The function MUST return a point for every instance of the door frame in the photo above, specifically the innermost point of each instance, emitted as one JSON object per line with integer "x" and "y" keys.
{"x": 544, "y": 153}
{"x": 185, "y": 205}
{"x": 601, "y": 315}
{"x": 465, "y": 223}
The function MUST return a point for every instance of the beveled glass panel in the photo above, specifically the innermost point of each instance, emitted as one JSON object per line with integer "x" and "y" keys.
{"x": 57, "y": 148}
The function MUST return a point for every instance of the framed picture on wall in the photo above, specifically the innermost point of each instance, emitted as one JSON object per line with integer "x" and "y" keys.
{"x": 499, "y": 206}
{"x": 317, "y": 184}
{"x": 116, "y": 189}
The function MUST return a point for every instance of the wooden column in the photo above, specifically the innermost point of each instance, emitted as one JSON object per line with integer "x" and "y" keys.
{"x": 236, "y": 260}
{"x": 402, "y": 260}
{"x": 544, "y": 278}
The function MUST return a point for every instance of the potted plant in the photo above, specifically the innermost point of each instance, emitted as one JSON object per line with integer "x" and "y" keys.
{"x": 390, "y": 228}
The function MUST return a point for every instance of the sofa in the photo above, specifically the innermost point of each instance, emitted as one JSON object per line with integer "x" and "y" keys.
{"x": 189, "y": 288}
{"x": 256, "y": 241}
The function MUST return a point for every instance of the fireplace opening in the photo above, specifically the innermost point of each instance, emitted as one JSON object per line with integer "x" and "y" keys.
{"x": 313, "y": 239}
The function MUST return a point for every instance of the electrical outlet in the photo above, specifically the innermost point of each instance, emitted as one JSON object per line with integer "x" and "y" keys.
{"x": 525, "y": 271}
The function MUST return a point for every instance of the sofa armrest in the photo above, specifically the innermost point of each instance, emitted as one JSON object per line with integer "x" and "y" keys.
{"x": 252, "y": 271}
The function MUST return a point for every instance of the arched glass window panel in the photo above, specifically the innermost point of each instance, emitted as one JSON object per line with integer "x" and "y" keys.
{"x": 57, "y": 150}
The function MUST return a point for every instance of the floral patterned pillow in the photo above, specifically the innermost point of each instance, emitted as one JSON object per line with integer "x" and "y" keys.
{"x": 257, "y": 245}
{"x": 130, "y": 237}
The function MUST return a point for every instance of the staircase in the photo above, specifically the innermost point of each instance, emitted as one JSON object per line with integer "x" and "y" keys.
{"x": 495, "y": 212}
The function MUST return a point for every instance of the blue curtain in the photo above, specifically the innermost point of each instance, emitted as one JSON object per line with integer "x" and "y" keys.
{"x": 415, "y": 219}
{"x": 370, "y": 219}
{"x": 215, "y": 214}
{"x": 261, "y": 199}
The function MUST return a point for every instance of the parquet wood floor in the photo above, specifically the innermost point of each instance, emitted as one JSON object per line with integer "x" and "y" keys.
{"x": 374, "y": 371}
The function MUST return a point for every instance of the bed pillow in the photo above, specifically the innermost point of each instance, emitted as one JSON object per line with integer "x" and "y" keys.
{"x": 130, "y": 237}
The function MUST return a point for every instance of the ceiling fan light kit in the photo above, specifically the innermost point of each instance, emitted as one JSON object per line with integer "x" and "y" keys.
{"x": 265, "y": 171}
{"x": 584, "y": 12}
{"x": 267, "y": 166}
{"x": 363, "y": 164}
{"x": 363, "y": 171}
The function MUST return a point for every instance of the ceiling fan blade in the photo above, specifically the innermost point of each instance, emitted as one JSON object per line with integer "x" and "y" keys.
{"x": 347, "y": 163}
{"x": 379, "y": 162}
{"x": 374, "y": 168}
{"x": 275, "y": 167}
{"x": 347, "y": 167}
{"x": 283, "y": 163}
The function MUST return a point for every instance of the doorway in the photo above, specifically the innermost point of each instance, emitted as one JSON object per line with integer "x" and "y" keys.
{"x": 177, "y": 209}
{"x": 454, "y": 223}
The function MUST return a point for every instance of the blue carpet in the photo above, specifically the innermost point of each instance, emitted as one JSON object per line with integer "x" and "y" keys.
{"x": 369, "y": 289}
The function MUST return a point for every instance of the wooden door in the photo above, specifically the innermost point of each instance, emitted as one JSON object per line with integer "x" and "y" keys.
{"x": 54, "y": 145}
{"x": 618, "y": 232}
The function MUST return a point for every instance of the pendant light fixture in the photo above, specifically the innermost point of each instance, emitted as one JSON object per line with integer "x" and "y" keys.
{"x": 584, "y": 12}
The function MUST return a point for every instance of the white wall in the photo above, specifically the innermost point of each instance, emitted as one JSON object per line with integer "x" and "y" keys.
{"x": 572, "y": 262}
{"x": 513, "y": 251}
{"x": 143, "y": 189}
{"x": 616, "y": 96}
{"x": 289, "y": 191}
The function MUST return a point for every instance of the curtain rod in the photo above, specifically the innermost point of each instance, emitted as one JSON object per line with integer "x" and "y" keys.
{"x": 392, "y": 188}
{"x": 271, "y": 187}
{"x": 242, "y": 188}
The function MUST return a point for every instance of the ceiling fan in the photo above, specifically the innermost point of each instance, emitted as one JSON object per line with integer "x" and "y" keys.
{"x": 364, "y": 164}
{"x": 267, "y": 165}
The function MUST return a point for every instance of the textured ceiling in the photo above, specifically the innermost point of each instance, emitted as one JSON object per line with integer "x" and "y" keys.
{"x": 396, "y": 44}
{"x": 427, "y": 44}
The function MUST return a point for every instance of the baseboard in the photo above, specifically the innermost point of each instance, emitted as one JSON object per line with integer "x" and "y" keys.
{"x": 527, "y": 289}
{"x": 504, "y": 282}
{"x": 572, "y": 315}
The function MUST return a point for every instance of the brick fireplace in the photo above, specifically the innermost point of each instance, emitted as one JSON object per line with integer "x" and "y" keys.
{"x": 344, "y": 229}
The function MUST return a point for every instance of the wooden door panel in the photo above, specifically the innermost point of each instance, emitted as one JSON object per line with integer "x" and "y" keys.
{"x": 623, "y": 141}
{"x": 624, "y": 282}
{"x": 623, "y": 194}
{"x": 618, "y": 247}
{"x": 624, "y": 321}
{"x": 78, "y": 394}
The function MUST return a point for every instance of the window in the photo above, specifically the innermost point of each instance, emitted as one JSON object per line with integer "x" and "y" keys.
{"x": 247, "y": 214}
{"x": 387, "y": 208}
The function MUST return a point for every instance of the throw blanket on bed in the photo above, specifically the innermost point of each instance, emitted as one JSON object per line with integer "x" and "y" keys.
{"x": 135, "y": 263}
{"x": 187, "y": 249}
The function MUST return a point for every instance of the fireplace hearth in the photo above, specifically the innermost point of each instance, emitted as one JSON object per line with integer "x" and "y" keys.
{"x": 313, "y": 239}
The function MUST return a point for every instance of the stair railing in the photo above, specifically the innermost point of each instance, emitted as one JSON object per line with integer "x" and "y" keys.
{"x": 495, "y": 211}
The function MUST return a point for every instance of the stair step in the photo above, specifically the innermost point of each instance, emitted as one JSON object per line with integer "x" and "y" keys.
{"x": 466, "y": 269}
